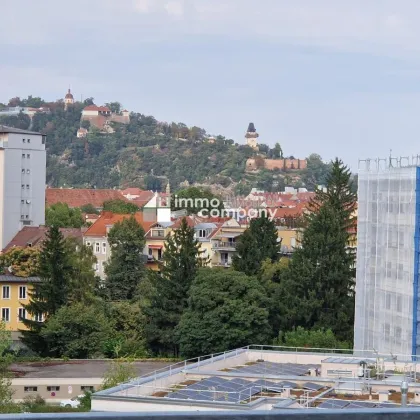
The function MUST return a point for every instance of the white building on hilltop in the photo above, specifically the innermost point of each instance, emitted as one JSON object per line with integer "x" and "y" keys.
{"x": 388, "y": 236}
{"x": 22, "y": 181}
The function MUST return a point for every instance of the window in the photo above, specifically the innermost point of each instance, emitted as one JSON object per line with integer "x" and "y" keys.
{"x": 6, "y": 292}
{"x": 159, "y": 254}
{"x": 22, "y": 216}
{"x": 28, "y": 171}
{"x": 27, "y": 186}
{"x": 202, "y": 233}
{"x": 103, "y": 247}
{"x": 22, "y": 313}
{"x": 398, "y": 333}
{"x": 23, "y": 171}
{"x": 97, "y": 247}
{"x": 399, "y": 303}
{"x": 387, "y": 330}
{"x": 39, "y": 318}
{"x": 158, "y": 232}
{"x": 27, "y": 216}
{"x": 23, "y": 186}
{"x": 28, "y": 156}
{"x": 5, "y": 314}
{"x": 29, "y": 140}
{"x": 22, "y": 201}
{"x": 23, "y": 156}
{"x": 87, "y": 388}
{"x": 388, "y": 301}
{"x": 53, "y": 388}
{"x": 22, "y": 292}
{"x": 88, "y": 244}
{"x": 24, "y": 140}
{"x": 30, "y": 389}
{"x": 150, "y": 252}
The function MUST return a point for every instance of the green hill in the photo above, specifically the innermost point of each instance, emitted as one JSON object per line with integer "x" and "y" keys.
{"x": 148, "y": 154}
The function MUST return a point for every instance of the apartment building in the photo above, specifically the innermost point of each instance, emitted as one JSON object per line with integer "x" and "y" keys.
{"x": 14, "y": 293}
{"x": 97, "y": 236}
{"x": 22, "y": 181}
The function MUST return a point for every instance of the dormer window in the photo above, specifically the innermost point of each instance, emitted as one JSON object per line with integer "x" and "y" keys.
{"x": 202, "y": 233}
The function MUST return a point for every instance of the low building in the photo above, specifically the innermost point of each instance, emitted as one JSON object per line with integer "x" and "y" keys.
{"x": 101, "y": 117}
{"x": 266, "y": 378}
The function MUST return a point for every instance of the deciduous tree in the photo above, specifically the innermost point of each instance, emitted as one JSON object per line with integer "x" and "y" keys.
{"x": 226, "y": 309}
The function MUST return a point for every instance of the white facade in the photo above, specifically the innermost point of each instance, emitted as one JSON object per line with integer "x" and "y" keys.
{"x": 22, "y": 181}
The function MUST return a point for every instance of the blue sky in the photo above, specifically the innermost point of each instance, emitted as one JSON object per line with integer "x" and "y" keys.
{"x": 339, "y": 78}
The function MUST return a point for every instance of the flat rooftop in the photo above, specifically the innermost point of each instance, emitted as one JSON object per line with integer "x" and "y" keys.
{"x": 77, "y": 368}
{"x": 254, "y": 378}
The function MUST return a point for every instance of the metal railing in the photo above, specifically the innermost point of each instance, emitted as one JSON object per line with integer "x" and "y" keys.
{"x": 224, "y": 245}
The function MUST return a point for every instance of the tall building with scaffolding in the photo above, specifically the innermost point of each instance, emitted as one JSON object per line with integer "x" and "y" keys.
{"x": 387, "y": 298}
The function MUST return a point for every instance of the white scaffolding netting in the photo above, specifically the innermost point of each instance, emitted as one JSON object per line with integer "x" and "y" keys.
{"x": 385, "y": 259}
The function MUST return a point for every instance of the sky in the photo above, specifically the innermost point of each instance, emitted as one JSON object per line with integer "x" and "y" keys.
{"x": 333, "y": 77}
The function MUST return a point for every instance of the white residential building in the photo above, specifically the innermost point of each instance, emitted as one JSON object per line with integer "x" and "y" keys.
{"x": 22, "y": 181}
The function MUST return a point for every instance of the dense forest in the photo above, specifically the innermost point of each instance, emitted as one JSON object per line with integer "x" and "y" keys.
{"x": 148, "y": 153}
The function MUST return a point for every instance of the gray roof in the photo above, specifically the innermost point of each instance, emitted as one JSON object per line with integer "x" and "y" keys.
{"x": 6, "y": 129}
{"x": 15, "y": 279}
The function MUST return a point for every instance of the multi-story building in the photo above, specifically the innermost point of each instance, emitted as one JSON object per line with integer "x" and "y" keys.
{"x": 14, "y": 294}
{"x": 22, "y": 181}
{"x": 388, "y": 250}
{"x": 97, "y": 236}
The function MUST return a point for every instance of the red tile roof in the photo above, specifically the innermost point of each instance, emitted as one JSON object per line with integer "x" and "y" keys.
{"x": 132, "y": 191}
{"x": 35, "y": 235}
{"x": 79, "y": 197}
{"x": 97, "y": 108}
{"x": 107, "y": 219}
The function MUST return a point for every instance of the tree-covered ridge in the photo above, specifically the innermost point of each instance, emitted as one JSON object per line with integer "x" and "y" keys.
{"x": 148, "y": 153}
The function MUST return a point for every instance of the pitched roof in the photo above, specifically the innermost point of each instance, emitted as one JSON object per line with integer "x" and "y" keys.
{"x": 34, "y": 236}
{"x": 97, "y": 108}
{"x": 132, "y": 191}
{"x": 143, "y": 198}
{"x": 6, "y": 129}
{"x": 107, "y": 219}
{"x": 79, "y": 197}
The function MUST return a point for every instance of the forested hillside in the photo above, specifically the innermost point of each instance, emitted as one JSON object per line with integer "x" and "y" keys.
{"x": 148, "y": 153}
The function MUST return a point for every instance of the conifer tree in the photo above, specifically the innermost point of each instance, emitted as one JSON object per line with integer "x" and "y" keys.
{"x": 320, "y": 289}
{"x": 181, "y": 260}
{"x": 51, "y": 292}
{"x": 125, "y": 269}
{"x": 257, "y": 244}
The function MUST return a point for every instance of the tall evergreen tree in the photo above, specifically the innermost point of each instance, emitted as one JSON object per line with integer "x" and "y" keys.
{"x": 125, "y": 269}
{"x": 170, "y": 286}
{"x": 320, "y": 289}
{"x": 51, "y": 292}
{"x": 257, "y": 244}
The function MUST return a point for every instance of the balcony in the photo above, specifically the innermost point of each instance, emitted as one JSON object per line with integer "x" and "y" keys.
{"x": 225, "y": 264}
{"x": 224, "y": 245}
